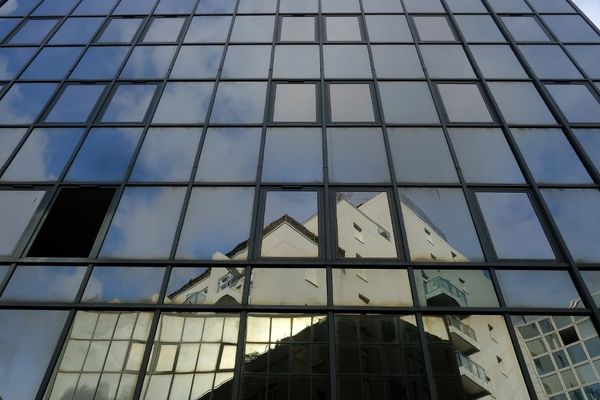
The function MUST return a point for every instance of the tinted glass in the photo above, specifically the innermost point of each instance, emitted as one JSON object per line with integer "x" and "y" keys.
{"x": 51, "y": 63}
{"x": 510, "y": 6}
{"x": 434, "y": 29}
{"x": 576, "y": 102}
{"x": 120, "y": 30}
{"x": 208, "y": 29}
{"x": 479, "y": 28}
{"x": 94, "y": 7}
{"x": 295, "y": 103}
{"x": 135, "y": 6}
{"x": 586, "y": 57}
{"x": 296, "y": 62}
{"x": 44, "y": 283}
{"x": 396, "y": 61}
{"x": 346, "y": 61}
{"x": 388, "y": 28}
{"x": 18, "y": 8}
{"x": 269, "y": 282}
{"x": 123, "y": 285}
{"x": 197, "y": 62}
{"x": 16, "y": 210}
{"x": 183, "y": 103}
{"x": 455, "y": 288}
{"x": 525, "y": 29}
{"x": 447, "y": 61}
{"x": 148, "y": 62}
{"x": 75, "y": 103}
{"x": 549, "y": 62}
{"x": 253, "y": 28}
{"x": 239, "y": 102}
{"x": 521, "y": 288}
{"x": 571, "y": 28}
{"x": 343, "y": 29}
{"x": 407, "y": 102}
{"x": 464, "y": 103}
{"x": 33, "y": 31}
{"x": 592, "y": 281}
{"x": 9, "y": 139}
{"x": 24, "y": 101}
{"x": 100, "y": 63}
{"x": 215, "y": 7}
{"x": 371, "y": 287}
{"x": 424, "y": 6}
{"x": 351, "y": 103}
{"x": 257, "y": 6}
{"x": 497, "y": 62}
{"x": 76, "y": 31}
{"x": 590, "y": 140}
{"x": 520, "y": 103}
{"x": 458, "y": 6}
{"x": 175, "y": 6}
{"x": 129, "y": 103}
{"x": 298, "y": 7}
{"x": 247, "y": 62}
{"x": 163, "y": 30}
{"x": 382, "y": 6}
{"x": 13, "y": 59}
{"x": 297, "y": 29}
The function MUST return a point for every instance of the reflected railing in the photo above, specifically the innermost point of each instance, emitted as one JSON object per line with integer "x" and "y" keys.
{"x": 196, "y": 298}
{"x": 472, "y": 366}
{"x": 440, "y": 282}
{"x": 461, "y": 326}
{"x": 421, "y": 214}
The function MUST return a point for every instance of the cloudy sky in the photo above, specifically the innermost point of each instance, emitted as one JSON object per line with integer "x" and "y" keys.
{"x": 591, "y": 8}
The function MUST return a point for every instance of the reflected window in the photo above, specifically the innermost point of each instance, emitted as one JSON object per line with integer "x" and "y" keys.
{"x": 571, "y": 28}
{"x": 33, "y": 31}
{"x": 438, "y": 225}
{"x": 364, "y": 225}
{"x": 75, "y": 103}
{"x": 407, "y": 102}
{"x": 17, "y": 207}
{"x": 290, "y": 224}
{"x": 549, "y": 62}
{"x": 105, "y": 155}
{"x": 388, "y": 28}
{"x": 434, "y": 29}
{"x": 13, "y": 59}
{"x": 27, "y": 349}
{"x": 346, "y": 62}
{"x": 197, "y": 62}
{"x": 342, "y": 29}
{"x": 183, "y": 103}
{"x": 576, "y": 102}
{"x": 513, "y": 226}
{"x": 295, "y": 102}
{"x": 120, "y": 30}
{"x": 538, "y": 289}
{"x": 479, "y": 28}
{"x": 357, "y": 155}
{"x": 484, "y": 156}
{"x": 129, "y": 103}
{"x": 51, "y": 63}
{"x": 144, "y": 224}
{"x": 285, "y": 144}
{"x": 44, "y": 283}
{"x": 208, "y": 29}
{"x": 9, "y": 140}
{"x": 102, "y": 354}
{"x": 447, "y": 62}
{"x": 175, "y": 7}
{"x": 239, "y": 102}
{"x": 455, "y": 288}
{"x": 587, "y": 57}
{"x": 44, "y": 155}
{"x": 424, "y": 6}
{"x": 123, "y": 285}
{"x": 464, "y": 103}
{"x": 371, "y": 287}
{"x": 426, "y": 147}
{"x": 549, "y": 156}
{"x": 217, "y": 224}
{"x": 296, "y": 61}
{"x": 351, "y": 102}
{"x": 525, "y": 29}
{"x": 163, "y": 29}
{"x": 520, "y": 103}
{"x": 396, "y": 61}
{"x": 250, "y": 62}
{"x": 76, "y": 31}
{"x": 253, "y": 28}
{"x": 167, "y": 155}
{"x": 199, "y": 285}
{"x": 590, "y": 140}
{"x": 193, "y": 356}
{"x": 288, "y": 286}
{"x": 24, "y": 101}
{"x": 297, "y": 29}
{"x": 497, "y": 62}
{"x": 229, "y": 155}
{"x": 148, "y": 62}
{"x": 100, "y": 62}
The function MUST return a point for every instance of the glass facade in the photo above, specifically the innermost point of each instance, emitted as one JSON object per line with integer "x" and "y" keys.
{"x": 299, "y": 199}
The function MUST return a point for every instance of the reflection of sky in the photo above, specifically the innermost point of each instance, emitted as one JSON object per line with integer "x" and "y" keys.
{"x": 129, "y": 103}
{"x": 120, "y": 30}
{"x": 405, "y": 102}
{"x": 208, "y": 29}
{"x": 76, "y": 30}
{"x": 591, "y": 8}
{"x": 537, "y": 288}
{"x": 298, "y": 205}
{"x": 549, "y": 62}
{"x": 239, "y": 102}
{"x": 44, "y": 155}
{"x": 180, "y": 276}
{"x": 9, "y": 138}
{"x": 217, "y": 219}
{"x": 94, "y": 7}
{"x": 197, "y": 62}
{"x": 164, "y": 30}
{"x": 253, "y": 28}
{"x": 216, "y": 6}
{"x": 12, "y": 59}
{"x": 148, "y": 62}
{"x": 250, "y": 62}
{"x": 124, "y": 284}
{"x": 520, "y": 103}
{"x": 52, "y": 63}
{"x": 33, "y": 31}
{"x": 229, "y": 154}
{"x": 44, "y": 283}
{"x": 17, "y": 7}
{"x": 144, "y": 223}
{"x": 357, "y": 198}
{"x": 25, "y": 349}
{"x": 16, "y": 209}
{"x": 100, "y": 63}
{"x": 592, "y": 280}
{"x": 75, "y": 103}
{"x": 576, "y": 102}
{"x": 6, "y": 25}
{"x": 23, "y": 102}
{"x": 571, "y": 28}
{"x": 175, "y": 7}
{"x": 55, "y": 7}
{"x": 138, "y": 7}
{"x": 590, "y": 140}
{"x": 184, "y": 103}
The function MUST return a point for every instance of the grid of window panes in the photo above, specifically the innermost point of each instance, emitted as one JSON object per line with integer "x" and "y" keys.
{"x": 299, "y": 199}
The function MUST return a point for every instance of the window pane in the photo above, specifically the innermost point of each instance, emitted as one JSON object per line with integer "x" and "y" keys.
{"x": 44, "y": 155}
{"x": 217, "y": 224}
{"x": 44, "y": 283}
{"x": 571, "y": 28}
{"x": 382, "y": 6}
{"x": 120, "y": 30}
{"x": 290, "y": 225}
{"x": 253, "y": 28}
{"x": 137, "y": 7}
{"x": 549, "y": 156}
{"x": 438, "y": 225}
{"x": 434, "y": 29}
{"x": 458, "y": 6}
{"x": 590, "y": 140}
{"x": 357, "y": 155}
{"x": 342, "y": 29}
{"x": 592, "y": 281}
{"x": 13, "y": 59}
{"x": 239, "y": 102}
{"x": 14, "y": 8}
{"x": 216, "y": 7}
{"x": 549, "y": 62}
{"x": 129, "y": 103}
{"x": 388, "y": 28}
{"x": 144, "y": 223}
{"x": 75, "y": 104}
{"x": 175, "y": 7}
{"x": 9, "y": 140}
{"x": 576, "y": 212}
{"x": 407, "y": 102}
{"x": 197, "y": 62}
{"x": 268, "y": 282}
{"x": 16, "y": 210}
{"x": 396, "y": 61}
{"x": 295, "y": 102}
{"x": 509, "y": 6}
{"x": 364, "y": 225}
{"x": 247, "y": 62}
{"x": 525, "y": 29}
{"x": 455, "y": 288}
{"x": 100, "y": 63}
{"x": 537, "y": 288}
{"x": 184, "y": 103}
{"x": 148, "y": 62}
{"x": 479, "y": 28}
{"x": 105, "y": 155}
{"x": 94, "y": 7}
{"x": 446, "y": 61}
{"x": 229, "y": 155}
{"x": 208, "y": 29}
{"x": 484, "y": 156}
{"x": 298, "y": 7}
{"x": 51, "y": 63}
{"x": 76, "y": 31}
{"x": 497, "y": 62}
{"x": 33, "y": 31}
{"x": 196, "y": 285}
{"x": 520, "y": 103}
{"x": 257, "y": 6}
{"x": 346, "y": 61}
{"x": 123, "y": 285}
{"x": 296, "y": 61}
{"x": 587, "y": 57}
{"x": 464, "y": 103}
{"x": 351, "y": 103}
{"x": 371, "y": 287}
{"x": 167, "y": 155}
{"x": 297, "y": 29}
{"x": 163, "y": 30}
{"x": 24, "y": 101}
{"x": 284, "y": 144}
{"x": 424, "y": 6}
{"x": 576, "y": 102}
{"x": 340, "y": 6}
{"x": 513, "y": 226}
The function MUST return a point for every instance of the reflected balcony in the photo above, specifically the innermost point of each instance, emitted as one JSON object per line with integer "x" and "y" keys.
{"x": 474, "y": 379}
{"x": 440, "y": 292}
{"x": 462, "y": 335}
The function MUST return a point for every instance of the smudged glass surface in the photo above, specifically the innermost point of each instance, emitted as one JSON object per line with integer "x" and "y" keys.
{"x": 253, "y": 28}
{"x": 135, "y": 7}
{"x": 364, "y": 225}
{"x": 587, "y": 57}
{"x": 100, "y": 62}
{"x": 239, "y": 102}
{"x": 297, "y": 29}
{"x": 425, "y": 147}
{"x": 549, "y": 156}
{"x": 576, "y": 102}
{"x": 342, "y": 29}
{"x": 217, "y": 224}
{"x": 208, "y": 29}
{"x": 434, "y": 29}
{"x": 148, "y": 62}
{"x": 76, "y": 31}
{"x": 479, "y": 28}
{"x": 229, "y": 155}
{"x": 549, "y": 62}
{"x": 571, "y": 28}
{"x": 51, "y": 63}
{"x": 396, "y": 61}
{"x": 537, "y": 288}
{"x": 525, "y": 29}
{"x": 167, "y": 155}
{"x": 484, "y": 156}
{"x": 44, "y": 283}
{"x": 590, "y": 140}
{"x": 388, "y": 28}
{"x": 105, "y": 155}
{"x": 184, "y": 103}
{"x": 447, "y": 62}
{"x": 497, "y": 62}
{"x": 407, "y": 102}
{"x": 9, "y": 139}
{"x": 290, "y": 225}
{"x": 94, "y": 7}
{"x": 371, "y": 287}
{"x": 17, "y": 207}
{"x": 288, "y": 286}
{"x": 197, "y": 62}
{"x": 123, "y": 285}
{"x": 576, "y": 212}
{"x": 438, "y": 225}
{"x": 513, "y": 226}
{"x": 520, "y": 103}
{"x": 163, "y": 30}
{"x": 247, "y": 62}
{"x": 75, "y": 103}
{"x": 13, "y": 59}
{"x": 120, "y": 30}
{"x": 200, "y": 285}
{"x": 27, "y": 349}
{"x": 285, "y": 144}
{"x": 144, "y": 224}
{"x": 175, "y": 7}
{"x": 296, "y": 61}
{"x": 346, "y": 62}
{"x": 295, "y": 102}
{"x": 455, "y": 288}
{"x": 23, "y": 102}
{"x": 357, "y": 155}
{"x": 44, "y": 155}
{"x": 464, "y": 103}
{"x": 33, "y": 31}
{"x": 129, "y": 103}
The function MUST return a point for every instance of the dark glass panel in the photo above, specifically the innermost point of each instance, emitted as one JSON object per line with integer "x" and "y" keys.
{"x": 510, "y": 6}
{"x": 433, "y": 29}
{"x": 120, "y": 30}
{"x": 247, "y": 62}
{"x": 346, "y": 62}
{"x": 479, "y": 28}
{"x": 55, "y": 7}
{"x": 44, "y": 283}
{"x": 525, "y": 29}
{"x": 407, "y": 102}
{"x": 587, "y": 57}
{"x": 520, "y": 103}
{"x": 33, "y": 31}
{"x": 18, "y": 7}
{"x": 590, "y": 140}
{"x": 298, "y": 7}
{"x": 497, "y": 62}
{"x": 388, "y": 28}
{"x": 197, "y": 62}
{"x": 175, "y": 7}
{"x": 94, "y": 7}
{"x": 549, "y": 62}
{"x": 447, "y": 62}
{"x": 351, "y": 102}
{"x": 466, "y": 6}
{"x": 216, "y": 7}
{"x": 424, "y": 6}
{"x": 571, "y": 28}
{"x": 208, "y": 30}
{"x": 137, "y": 7}
{"x": 464, "y": 103}
{"x": 577, "y": 103}
{"x": 396, "y": 61}
{"x": 163, "y": 30}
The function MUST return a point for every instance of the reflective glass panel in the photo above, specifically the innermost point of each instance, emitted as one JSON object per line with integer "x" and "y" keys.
{"x": 434, "y": 29}
{"x": 455, "y": 288}
{"x": 571, "y": 28}
{"x": 346, "y": 62}
{"x": 100, "y": 62}
{"x": 208, "y": 29}
{"x": 24, "y": 101}
{"x": 13, "y": 59}
{"x": 137, "y": 7}
{"x": 94, "y": 7}
{"x": 175, "y": 7}
{"x": 288, "y": 286}
{"x": 371, "y": 287}
{"x": 167, "y": 155}
{"x": 382, "y": 6}
{"x": 497, "y": 62}
{"x": 340, "y": 6}
{"x": 197, "y": 62}
{"x": 295, "y": 102}
{"x": 549, "y": 62}
{"x": 556, "y": 6}
{"x": 298, "y": 7}
{"x": 76, "y": 31}
{"x": 144, "y": 224}
{"x": 17, "y": 207}
{"x": 396, "y": 61}
{"x": 44, "y": 283}
{"x": 537, "y": 288}
{"x": 513, "y": 225}
{"x": 364, "y": 225}
{"x": 510, "y": 6}
{"x": 520, "y": 103}
{"x": 407, "y": 102}
{"x": 590, "y": 140}
{"x": 525, "y": 29}
{"x": 592, "y": 281}
{"x": 290, "y": 225}
{"x": 123, "y": 285}
{"x": 342, "y": 29}
{"x": 351, "y": 103}
{"x": 458, "y": 6}
{"x": 148, "y": 62}
{"x": 297, "y": 29}
{"x": 424, "y": 6}
{"x": 183, "y": 103}
{"x": 357, "y": 155}
{"x": 129, "y": 103}
{"x": 249, "y": 62}
{"x": 447, "y": 61}
{"x": 216, "y": 7}
{"x": 296, "y": 61}
{"x": 9, "y": 139}
{"x": 388, "y": 28}
{"x": 587, "y": 57}
{"x": 120, "y": 30}
{"x": 576, "y": 102}
{"x": 18, "y": 8}
{"x": 229, "y": 155}
{"x": 163, "y": 30}
{"x": 438, "y": 225}
{"x": 239, "y": 102}
{"x": 253, "y": 28}
{"x": 105, "y": 155}
{"x": 217, "y": 224}
{"x": 44, "y": 155}
{"x": 479, "y": 28}
{"x": 51, "y": 63}
{"x": 200, "y": 285}
{"x": 257, "y": 6}
{"x": 33, "y": 31}
{"x": 464, "y": 103}
{"x": 75, "y": 103}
